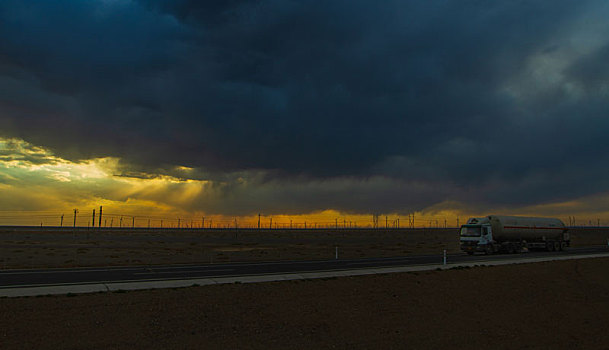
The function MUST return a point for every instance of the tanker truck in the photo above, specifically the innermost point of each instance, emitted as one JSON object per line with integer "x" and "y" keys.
{"x": 512, "y": 234}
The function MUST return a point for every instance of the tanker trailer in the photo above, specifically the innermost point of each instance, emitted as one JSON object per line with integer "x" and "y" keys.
{"x": 511, "y": 234}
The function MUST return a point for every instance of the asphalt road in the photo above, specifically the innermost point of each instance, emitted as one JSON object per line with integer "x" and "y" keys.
{"x": 49, "y": 277}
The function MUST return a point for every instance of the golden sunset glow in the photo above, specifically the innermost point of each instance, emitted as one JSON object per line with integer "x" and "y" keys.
{"x": 39, "y": 187}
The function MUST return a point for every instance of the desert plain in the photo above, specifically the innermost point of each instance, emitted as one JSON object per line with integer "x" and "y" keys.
{"x": 42, "y": 248}
{"x": 549, "y": 305}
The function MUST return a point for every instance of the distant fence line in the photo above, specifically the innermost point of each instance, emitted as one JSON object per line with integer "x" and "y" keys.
{"x": 92, "y": 219}
{"x": 80, "y": 218}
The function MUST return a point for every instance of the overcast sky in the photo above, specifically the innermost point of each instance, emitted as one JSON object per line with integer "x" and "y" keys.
{"x": 302, "y": 106}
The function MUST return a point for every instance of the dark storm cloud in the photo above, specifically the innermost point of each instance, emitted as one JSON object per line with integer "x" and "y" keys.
{"x": 481, "y": 101}
{"x": 295, "y": 196}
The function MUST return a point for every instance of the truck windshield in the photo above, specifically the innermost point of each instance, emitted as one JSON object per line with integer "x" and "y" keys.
{"x": 470, "y": 231}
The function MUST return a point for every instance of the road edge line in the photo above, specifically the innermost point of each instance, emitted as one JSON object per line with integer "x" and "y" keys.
{"x": 182, "y": 283}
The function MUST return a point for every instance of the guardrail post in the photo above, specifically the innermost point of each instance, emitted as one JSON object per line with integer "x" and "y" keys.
{"x": 444, "y": 260}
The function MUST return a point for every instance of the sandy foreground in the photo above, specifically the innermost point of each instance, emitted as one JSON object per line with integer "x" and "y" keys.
{"x": 555, "y": 305}
{"x": 65, "y": 248}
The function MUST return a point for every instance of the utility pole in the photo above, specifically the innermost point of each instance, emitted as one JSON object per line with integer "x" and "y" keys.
{"x": 178, "y": 222}
{"x": 259, "y": 221}
{"x": 61, "y": 223}
{"x": 386, "y": 222}
{"x": 148, "y": 222}
{"x": 203, "y": 222}
{"x": 93, "y": 219}
{"x": 161, "y": 223}
{"x": 75, "y": 212}
{"x": 121, "y": 222}
{"x": 336, "y": 223}
{"x": 100, "y": 216}
{"x": 132, "y": 221}
{"x": 270, "y": 223}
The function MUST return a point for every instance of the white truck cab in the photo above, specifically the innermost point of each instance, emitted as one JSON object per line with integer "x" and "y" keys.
{"x": 477, "y": 237}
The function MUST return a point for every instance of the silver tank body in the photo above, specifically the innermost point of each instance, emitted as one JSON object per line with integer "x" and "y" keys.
{"x": 508, "y": 228}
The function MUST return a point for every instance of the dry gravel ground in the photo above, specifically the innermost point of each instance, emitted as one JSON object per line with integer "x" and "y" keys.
{"x": 557, "y": 305}
{"x": 22, "y": 248}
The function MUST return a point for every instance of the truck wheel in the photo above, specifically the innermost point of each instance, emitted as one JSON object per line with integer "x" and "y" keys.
{"x": 549, "y": 246}
{"x": 556, "y": 246}
{"x": 563, "y": 245}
